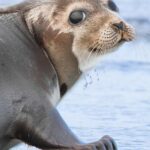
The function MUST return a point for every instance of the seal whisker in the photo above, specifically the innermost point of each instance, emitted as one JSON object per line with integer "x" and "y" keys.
{"x": 92, "y": 50}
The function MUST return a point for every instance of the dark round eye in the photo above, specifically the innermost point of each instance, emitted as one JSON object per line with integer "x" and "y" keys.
{"x": 77, "y": 17}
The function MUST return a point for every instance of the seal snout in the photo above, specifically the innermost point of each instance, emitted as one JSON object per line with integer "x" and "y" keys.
{"x": 119, "y": 26}
{"x": 127, "y": 32}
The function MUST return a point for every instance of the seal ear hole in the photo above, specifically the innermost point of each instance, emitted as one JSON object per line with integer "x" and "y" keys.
{"x": 77, "y": 16}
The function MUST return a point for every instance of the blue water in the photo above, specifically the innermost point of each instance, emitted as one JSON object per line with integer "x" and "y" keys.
{"x": 114, "y": 98}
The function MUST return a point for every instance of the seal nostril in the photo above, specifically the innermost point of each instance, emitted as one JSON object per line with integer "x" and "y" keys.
{"x": 119, "y": 26}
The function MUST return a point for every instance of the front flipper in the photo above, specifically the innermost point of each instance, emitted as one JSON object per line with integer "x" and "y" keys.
{"x": 53, "y": 133}
{"x": 58, "y": 132}
{"x": 105, "y": 143}
{"x": 50, "y": 133}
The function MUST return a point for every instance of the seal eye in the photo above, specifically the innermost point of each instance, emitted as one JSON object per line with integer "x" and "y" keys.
{"x": 77, "y": 17}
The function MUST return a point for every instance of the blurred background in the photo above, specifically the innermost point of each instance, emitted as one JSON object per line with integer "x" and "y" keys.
{"x": 114, "y": 98}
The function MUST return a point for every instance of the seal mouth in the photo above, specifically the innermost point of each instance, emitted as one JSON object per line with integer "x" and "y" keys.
{"x": 121, "y": 41}
{"x": 110, "y": 42}
{"x": 95, "y": 49}
{"x": 99, "y": 49}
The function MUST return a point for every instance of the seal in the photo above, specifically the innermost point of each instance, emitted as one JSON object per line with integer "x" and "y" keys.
{"x": 45, "y": 46}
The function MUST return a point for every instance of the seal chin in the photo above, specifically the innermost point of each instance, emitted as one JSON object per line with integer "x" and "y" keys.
{"x": 89, "y": 57}
{"x": 86, "y": 60}
{"x": 121, "y": 41}
{"x": 89, "y": 64}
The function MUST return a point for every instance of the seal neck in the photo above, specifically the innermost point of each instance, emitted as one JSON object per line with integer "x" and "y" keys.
{"x": 59, "y": 51}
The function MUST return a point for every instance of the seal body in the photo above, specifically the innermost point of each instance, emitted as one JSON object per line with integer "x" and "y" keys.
{"x": 41, "y": 57}
{"x": 29, "y": 91}
{"x": 28, "y": 81}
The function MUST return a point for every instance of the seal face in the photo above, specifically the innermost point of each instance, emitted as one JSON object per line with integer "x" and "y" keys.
{"x": 95, "y": 29}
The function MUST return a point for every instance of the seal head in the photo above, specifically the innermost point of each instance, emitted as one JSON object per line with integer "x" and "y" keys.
{"x": 75, "y": 34}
